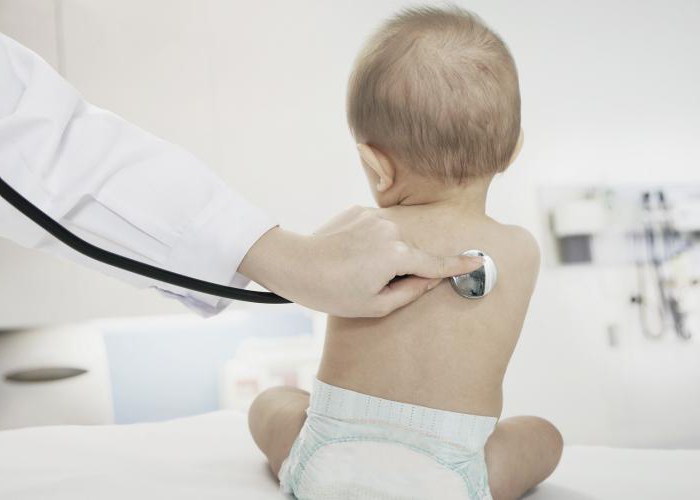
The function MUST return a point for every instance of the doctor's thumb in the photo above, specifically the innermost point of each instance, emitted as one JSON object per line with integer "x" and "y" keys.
{"x": 437, "y": 266}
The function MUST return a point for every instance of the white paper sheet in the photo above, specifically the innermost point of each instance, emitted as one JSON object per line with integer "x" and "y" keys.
{"x": 213, "y": 457}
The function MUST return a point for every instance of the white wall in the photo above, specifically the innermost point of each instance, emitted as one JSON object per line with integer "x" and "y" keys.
{"x": 256, "y": 89}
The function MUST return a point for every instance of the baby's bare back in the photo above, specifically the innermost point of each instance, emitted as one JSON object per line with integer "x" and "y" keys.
{"x": 443, "y": 351}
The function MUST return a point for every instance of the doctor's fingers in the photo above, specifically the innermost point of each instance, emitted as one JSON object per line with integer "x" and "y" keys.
{"x": 414, "y": 261}
{"x": 402, "y": 292}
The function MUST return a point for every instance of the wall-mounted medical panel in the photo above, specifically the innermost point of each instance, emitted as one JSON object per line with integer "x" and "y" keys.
{"x": 653, "y": 230}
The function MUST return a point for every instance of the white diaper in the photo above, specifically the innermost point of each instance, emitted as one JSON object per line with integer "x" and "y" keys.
{"x": 355, "y": 446}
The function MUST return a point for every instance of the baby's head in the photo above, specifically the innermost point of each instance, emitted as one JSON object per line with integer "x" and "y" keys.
{"x": 433, "y": 100}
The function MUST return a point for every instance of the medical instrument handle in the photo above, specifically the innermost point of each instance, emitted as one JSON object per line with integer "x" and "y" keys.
{"x": 133, "y": 266}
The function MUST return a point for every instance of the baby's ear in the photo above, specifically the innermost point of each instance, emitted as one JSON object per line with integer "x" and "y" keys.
{"x": 380, "y": 164}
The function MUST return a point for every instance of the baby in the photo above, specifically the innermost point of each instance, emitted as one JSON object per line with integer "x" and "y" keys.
{"x": 408, "y": 406}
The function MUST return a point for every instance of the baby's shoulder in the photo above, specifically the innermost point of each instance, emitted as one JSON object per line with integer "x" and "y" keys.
{"x": 517, "y": 250}
{"x": 522, "y": 241}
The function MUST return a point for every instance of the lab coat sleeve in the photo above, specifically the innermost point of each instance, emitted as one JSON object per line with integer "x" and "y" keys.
{"x": 115, "y": 185}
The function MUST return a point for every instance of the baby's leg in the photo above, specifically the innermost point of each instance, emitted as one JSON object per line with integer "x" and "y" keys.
{"x": 275, "y": 419}
{"x": 521, "y": 453}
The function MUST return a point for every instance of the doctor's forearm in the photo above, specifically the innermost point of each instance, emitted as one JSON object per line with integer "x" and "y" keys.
{"x": 315, "y": 271}
{"x": 276, "y": 260}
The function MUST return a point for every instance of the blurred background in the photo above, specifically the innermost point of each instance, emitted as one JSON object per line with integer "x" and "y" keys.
{"x": 608, "y": 181}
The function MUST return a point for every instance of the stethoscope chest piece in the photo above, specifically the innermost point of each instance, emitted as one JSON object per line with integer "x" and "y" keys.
{"x": 478, "y": 283}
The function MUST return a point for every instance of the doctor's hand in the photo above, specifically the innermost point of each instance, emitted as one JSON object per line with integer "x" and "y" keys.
{"x": 346, "y": 267}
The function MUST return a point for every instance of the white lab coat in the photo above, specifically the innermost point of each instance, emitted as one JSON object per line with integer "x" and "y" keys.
{"x": 114, "y": 184}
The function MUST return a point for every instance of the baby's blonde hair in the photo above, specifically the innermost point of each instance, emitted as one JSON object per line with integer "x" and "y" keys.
{"x": 436, "y": 88}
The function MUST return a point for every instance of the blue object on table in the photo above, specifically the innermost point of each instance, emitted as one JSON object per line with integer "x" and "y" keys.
{"x": 169, "y": 368}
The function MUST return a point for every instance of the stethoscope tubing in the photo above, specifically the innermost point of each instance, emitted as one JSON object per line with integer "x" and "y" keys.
{"x": 78, "y": 244}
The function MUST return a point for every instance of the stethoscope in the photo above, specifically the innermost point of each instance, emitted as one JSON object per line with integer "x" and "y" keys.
{"x": 473, "y": 285}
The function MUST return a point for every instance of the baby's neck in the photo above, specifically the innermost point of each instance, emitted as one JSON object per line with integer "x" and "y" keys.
{"x": 468, "y": 199}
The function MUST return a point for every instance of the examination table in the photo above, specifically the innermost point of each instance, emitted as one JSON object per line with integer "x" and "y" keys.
{"x": 212, "y": 456}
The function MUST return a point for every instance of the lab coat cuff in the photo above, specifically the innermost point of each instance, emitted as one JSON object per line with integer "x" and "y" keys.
{"x": 214, "y": 246}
